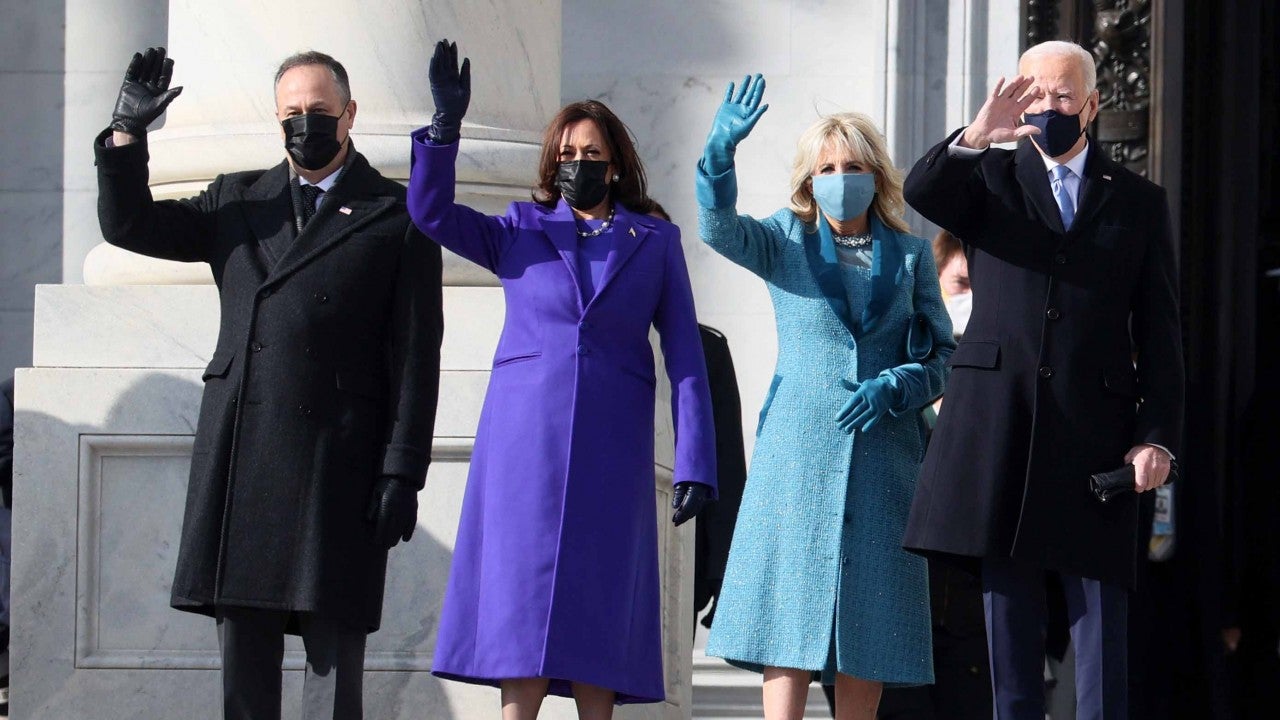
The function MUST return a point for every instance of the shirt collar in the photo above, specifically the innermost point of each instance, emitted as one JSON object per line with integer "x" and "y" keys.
{"x": 1075, "y": 164}
{"x": 327, "y": 183}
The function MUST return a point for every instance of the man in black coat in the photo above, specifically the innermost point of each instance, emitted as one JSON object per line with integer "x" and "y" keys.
{"x": 319, "y": 402}
{"x": 1072, "y": 266}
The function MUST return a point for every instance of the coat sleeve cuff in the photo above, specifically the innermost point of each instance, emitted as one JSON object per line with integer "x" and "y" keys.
{"x": 910, "y": 385}
{"x": 105, "y": 154}
{"x": 407, "y": 463}
{"x": 716, "y": 192}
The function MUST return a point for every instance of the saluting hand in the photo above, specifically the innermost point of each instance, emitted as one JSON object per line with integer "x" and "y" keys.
{"x": 737, "y": 115}
{"x": 1000, "y": 119}
{"x": 145, "y": 93}
{"x": 451, "y": 91}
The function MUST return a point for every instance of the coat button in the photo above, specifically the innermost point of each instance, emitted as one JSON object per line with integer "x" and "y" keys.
{"x": 255, "y": 346}
{"x": 311, "y": 352}
{"x": 321, "y": 297}
{"x": 1046, "y": 372}
{"x": 850, "y": 344}
{"x": 1060, "y": 258}
{"x": 582, "y": 349}
{"x": 304, "y": 410}
{"x": 582, "y": 325}
{"x": 264, "y": 293}
{"x": 1053, "y": 314}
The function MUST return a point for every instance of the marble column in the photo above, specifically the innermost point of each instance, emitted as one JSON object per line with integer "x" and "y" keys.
{"x": 106, "y": 414}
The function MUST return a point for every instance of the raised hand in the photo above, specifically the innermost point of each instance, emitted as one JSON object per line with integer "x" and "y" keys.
{"x": 734, "y": 120}
{"x": 1000, "y": 119}
{"x": 145, "y": 92}
{"x": 687, "y": 500}
{"x": 451, "y": 90}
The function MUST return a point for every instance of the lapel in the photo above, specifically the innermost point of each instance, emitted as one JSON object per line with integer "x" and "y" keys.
{"x": 1034, "y": 179}
{"x": 886, "y": 269}
{"x": 267, "y": 206}
{"x": 357, "y": 191}
{"x": 562, "y": 232}
{"x": 886, "y": 265}
{"x": 820, "y": 251}
{"x": 1096, "y": 187}
{"x": 627, "y": 234}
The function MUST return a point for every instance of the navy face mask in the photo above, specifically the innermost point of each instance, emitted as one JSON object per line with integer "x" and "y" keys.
{"x": 1058, "y": 132}
{"x": 311, "y": 139}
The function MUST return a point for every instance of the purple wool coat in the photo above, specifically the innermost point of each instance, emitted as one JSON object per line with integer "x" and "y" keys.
{"x": 555, "y": 568}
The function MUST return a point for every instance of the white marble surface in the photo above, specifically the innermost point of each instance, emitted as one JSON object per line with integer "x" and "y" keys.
{"x": 30, "y": 167}
{"x": 105, "y": 423}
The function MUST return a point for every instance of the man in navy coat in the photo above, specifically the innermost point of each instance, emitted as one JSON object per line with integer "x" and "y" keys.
{"x": 1074, "y": 276}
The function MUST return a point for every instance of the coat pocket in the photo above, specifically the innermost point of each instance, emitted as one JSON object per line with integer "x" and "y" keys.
{"x": 981, "y": 354}
{"x": 513, "y": 359}
{"x": 768, "y": 400}
{"x": 362, "y": 384}
{"x": 219, "y": 364}
{"x": 1121, "y": 381}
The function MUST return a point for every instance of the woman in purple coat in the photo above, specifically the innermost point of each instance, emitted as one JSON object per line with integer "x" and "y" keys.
{"x": 554, "y": 586}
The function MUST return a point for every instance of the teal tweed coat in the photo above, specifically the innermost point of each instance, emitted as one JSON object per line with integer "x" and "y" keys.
{"x": 817, "y": 577}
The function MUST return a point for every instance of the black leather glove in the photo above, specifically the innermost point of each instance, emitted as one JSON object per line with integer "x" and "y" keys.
{"x": 688, "y": 500}
{"x": 393, "y": 510}
{"x": 451, "y": 90}
{"x": 145, "y": 92}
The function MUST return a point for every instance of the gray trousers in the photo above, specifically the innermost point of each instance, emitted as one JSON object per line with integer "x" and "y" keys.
{"x": 252, "y": 645}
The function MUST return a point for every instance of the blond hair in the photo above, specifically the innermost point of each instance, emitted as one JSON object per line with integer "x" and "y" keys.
{"x": 857, "y": 134}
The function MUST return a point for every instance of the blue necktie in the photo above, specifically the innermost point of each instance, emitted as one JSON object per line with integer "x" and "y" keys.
{"x": 1065, "y": 206}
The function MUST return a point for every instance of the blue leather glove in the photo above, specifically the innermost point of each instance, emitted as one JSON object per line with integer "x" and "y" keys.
{"x": 733, "y": 122}
{"x": 451, "y": 91}
{"x": 688, "y": 500}
{"x": 869, "y": 402}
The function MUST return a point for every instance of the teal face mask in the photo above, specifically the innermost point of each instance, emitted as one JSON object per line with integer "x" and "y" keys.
{"x": 845, "y": 196}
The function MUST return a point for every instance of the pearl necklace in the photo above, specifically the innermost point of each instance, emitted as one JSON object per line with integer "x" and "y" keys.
{"x": 852, "y": 241}
{"x": 608, "y": 222}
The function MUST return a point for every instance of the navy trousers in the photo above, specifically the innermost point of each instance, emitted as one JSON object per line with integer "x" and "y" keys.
{"x": 1013, "y": 594}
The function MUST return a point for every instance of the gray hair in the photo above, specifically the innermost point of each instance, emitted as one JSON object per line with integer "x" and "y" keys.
{"x": 314, "y": 57}
{"x": 1064, "y": 47}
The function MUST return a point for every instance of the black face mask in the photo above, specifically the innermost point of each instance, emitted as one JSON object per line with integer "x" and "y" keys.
{"x": 1058, "y": 132}
{"x": 581, "y": 183}
{"x": 311, "y": 139}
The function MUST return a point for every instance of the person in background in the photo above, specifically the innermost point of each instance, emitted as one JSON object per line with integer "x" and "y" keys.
{"x": 817, "y": 580}
{"x": 6, "y": 527}
{"x": 554, "y": 587}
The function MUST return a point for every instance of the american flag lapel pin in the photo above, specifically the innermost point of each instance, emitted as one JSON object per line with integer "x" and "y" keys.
{"x": 347, "y": 211}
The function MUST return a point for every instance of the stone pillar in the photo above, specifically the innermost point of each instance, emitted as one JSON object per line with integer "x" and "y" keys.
{"x": 106, "y": 415}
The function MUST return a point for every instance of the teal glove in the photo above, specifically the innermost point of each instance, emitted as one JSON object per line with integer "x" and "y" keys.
{"x": 870, "y": 401}
{"x": 733, "y": 122}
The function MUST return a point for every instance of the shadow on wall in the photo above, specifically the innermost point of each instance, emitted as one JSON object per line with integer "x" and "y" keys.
{"x": 97, "y": 524}
{"x": 31, "y": 185}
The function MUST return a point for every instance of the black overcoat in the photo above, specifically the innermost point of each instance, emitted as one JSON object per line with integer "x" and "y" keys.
{"x": 1044, "y": 389}
{"x": 325, "y": 377}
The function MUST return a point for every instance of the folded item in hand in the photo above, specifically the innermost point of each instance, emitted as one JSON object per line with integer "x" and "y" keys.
{"x": 1107, "y": 485}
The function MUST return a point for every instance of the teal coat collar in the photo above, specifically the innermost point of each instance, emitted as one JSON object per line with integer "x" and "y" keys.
{"x": 886, "y": 270}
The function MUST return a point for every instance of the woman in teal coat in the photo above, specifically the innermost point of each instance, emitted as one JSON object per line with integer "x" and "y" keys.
{"x": 817, "y": 578}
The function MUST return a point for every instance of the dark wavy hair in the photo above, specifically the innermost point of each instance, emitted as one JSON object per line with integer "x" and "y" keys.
{"x": 631, "y": 189}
